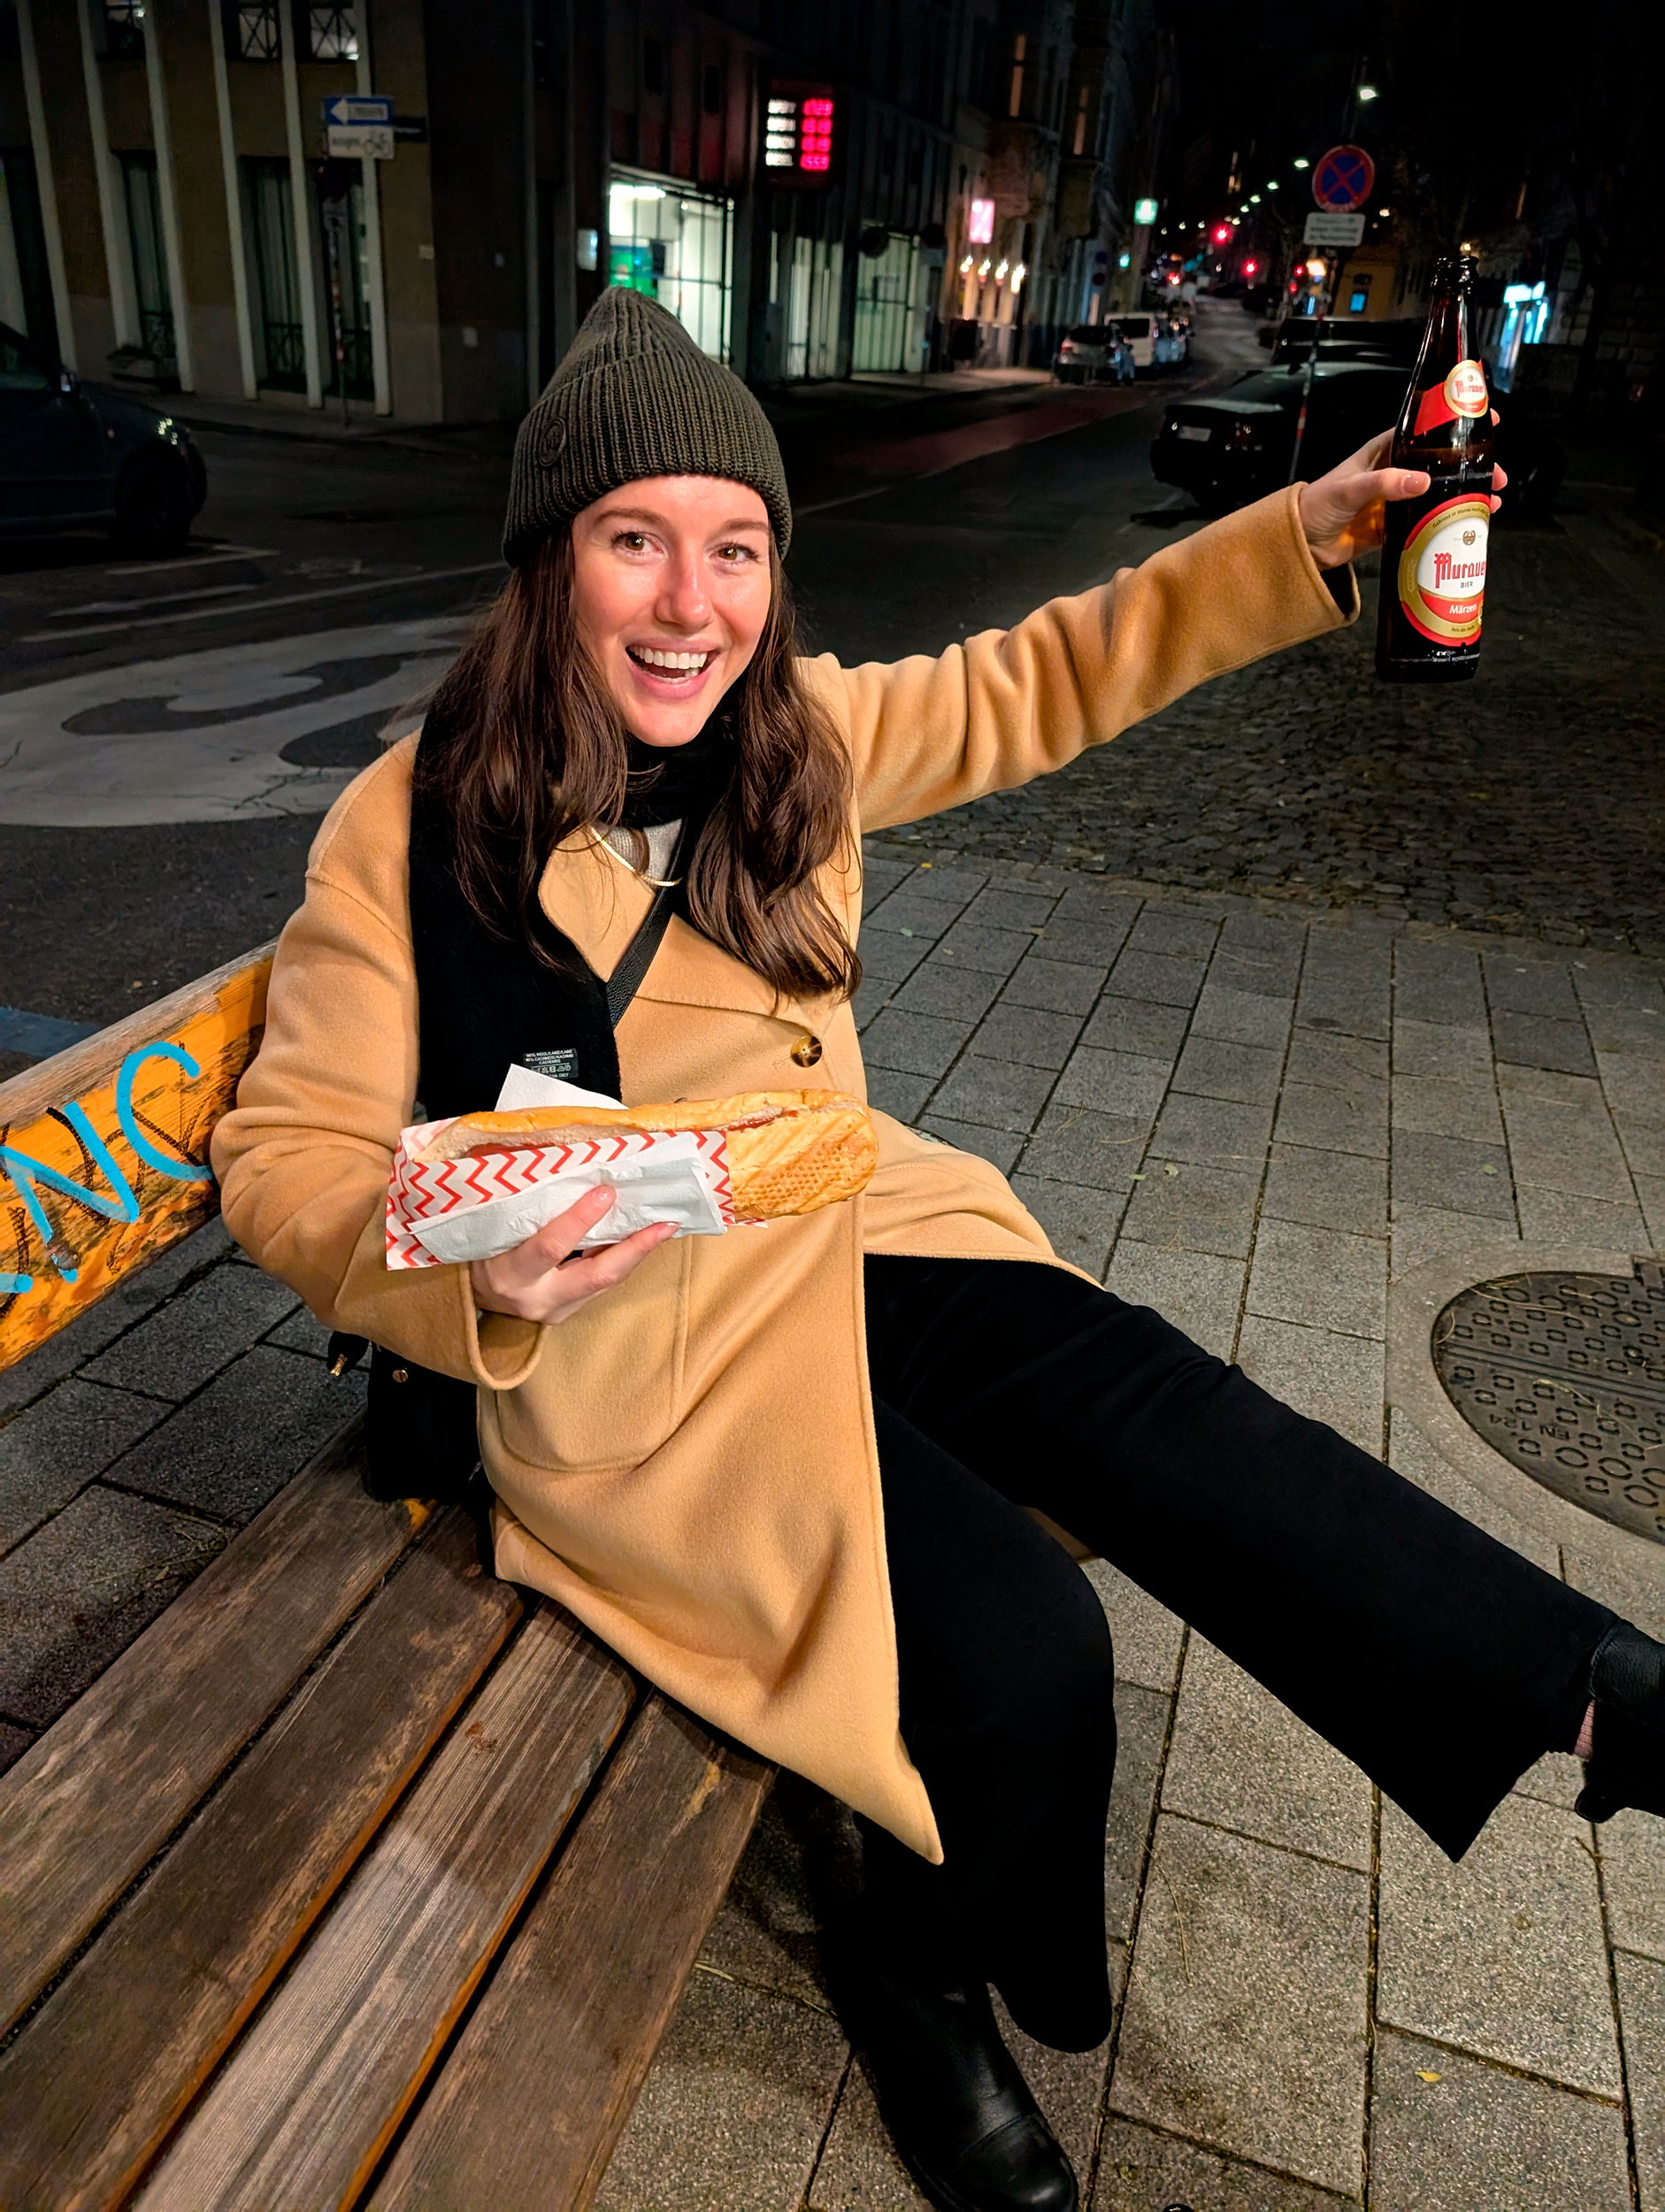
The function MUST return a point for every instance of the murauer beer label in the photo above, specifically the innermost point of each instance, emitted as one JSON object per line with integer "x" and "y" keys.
{"x": 1464, "y": 393}
{"x": 1442, "y": 569}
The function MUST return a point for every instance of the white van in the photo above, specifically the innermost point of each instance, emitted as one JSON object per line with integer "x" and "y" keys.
{"x": 1140, "y": 334}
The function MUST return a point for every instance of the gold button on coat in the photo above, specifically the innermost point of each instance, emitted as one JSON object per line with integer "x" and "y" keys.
{"x": 806, "y": 1051}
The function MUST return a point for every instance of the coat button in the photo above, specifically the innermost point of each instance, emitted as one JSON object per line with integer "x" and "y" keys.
{"x": 806, "y": 1051}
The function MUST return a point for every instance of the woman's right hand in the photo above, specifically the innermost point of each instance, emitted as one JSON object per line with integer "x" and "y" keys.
{"x": 539, "y": 1280}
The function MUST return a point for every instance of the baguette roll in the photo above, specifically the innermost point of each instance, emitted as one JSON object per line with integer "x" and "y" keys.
{"x": 788, "y": 1152}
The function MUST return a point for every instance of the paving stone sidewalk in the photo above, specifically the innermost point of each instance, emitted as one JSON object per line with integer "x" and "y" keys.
{"x": 1255, "y": 1120}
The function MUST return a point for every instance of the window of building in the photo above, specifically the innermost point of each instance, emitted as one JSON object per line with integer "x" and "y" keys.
{"x": 1015, "y": 102}
{"x": 252, "y": 30}
{"x": 331, "y": 33}
{"x": 25, "y": 287}
{"x": 814, "y": 284}
{"x": 344, "y": 272}
{"x": 1079, "y": 145}
{"x": 268, "y": 210}
{"x": 672, "y": 244}
{"x": 711, "y": 97}
{"x": 889, "y": 333}
{"x": 150, "y": 260}
{"x": 653, "y": 65}
{"x": 124, "y": 27}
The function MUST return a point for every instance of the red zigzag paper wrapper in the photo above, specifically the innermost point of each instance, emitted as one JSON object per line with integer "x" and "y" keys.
{"x": 446, "y": 1211}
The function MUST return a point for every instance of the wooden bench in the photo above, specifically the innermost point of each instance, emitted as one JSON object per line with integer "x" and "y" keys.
{"x": 360, "y": 1877}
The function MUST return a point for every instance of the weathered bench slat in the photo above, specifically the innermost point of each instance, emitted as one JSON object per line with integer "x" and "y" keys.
{"x": 124, "y": 1119}
{"x": 543, "y": 2078}
{"x": 94, "y": 2082}
{"x": 86, "y": 1807}
{"x": 302, "y": 2109}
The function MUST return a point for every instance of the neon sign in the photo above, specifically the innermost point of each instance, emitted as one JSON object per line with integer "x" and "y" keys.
{"x": 799, "y": 121}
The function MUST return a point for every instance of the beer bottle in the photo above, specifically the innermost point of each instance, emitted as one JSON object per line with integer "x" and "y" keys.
{"x": 1433, "y": 554}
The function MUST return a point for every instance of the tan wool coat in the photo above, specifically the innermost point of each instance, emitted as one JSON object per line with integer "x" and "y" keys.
{"x": 688, "y": 1462}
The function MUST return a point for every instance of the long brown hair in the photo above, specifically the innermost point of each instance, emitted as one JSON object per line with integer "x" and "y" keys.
{"x": 524, "y": 746}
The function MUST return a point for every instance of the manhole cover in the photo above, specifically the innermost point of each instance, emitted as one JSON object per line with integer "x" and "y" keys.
{"x": 1564, "y": 1375}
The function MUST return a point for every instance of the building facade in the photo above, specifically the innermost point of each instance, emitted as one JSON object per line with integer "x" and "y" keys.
{"x": 401, "y": 208}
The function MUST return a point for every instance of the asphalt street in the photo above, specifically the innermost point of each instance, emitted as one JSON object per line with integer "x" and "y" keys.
{"x": 170, "y": 732}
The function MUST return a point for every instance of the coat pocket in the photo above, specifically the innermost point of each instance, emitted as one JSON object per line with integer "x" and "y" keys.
{"x": 607, "y": 1391}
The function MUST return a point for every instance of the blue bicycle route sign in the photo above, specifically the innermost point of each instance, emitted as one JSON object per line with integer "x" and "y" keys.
{"x": 1343, "y": 178}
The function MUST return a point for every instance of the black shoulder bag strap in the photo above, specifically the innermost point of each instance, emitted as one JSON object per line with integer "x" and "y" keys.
{"x": 485, "y": 1004}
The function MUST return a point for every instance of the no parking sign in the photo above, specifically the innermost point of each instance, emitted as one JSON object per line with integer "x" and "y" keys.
{"x": 1343, "y": 178}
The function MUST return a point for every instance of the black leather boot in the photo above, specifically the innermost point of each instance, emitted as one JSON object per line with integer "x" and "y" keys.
{"x": 959, "y": 2112}
{"x": 1626, "y": 1766}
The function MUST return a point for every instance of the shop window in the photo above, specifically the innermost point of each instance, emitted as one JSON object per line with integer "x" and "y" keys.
{"x": 251, "y": 30}
{"x": 673, "y": 245}
{"x": 331, "y": 33}
{"x": 888, "y": 333}
{"x": 815, "y": 288}
{"x": 344, "y": 274}
{"x": 151, "y": 292}
{"x": 268, "y": 210}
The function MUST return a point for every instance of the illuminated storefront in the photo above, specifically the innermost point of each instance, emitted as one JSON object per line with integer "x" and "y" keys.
{"x": 675, "y": 244}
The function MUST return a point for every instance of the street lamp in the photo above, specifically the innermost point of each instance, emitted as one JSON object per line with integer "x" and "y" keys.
{"x": 1303, "y": 164}
{"x": 1367, "y": 92}
{"x": 1254, "y": 199}
{"x": 1271, "y": 185}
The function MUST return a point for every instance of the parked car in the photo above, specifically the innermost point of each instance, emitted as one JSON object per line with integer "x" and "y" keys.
{"x": 74, "y": 453}
{"x": 1385, "y": 340}
{"x": 1228, "y": 450}
{"x": 1091, "y": 351}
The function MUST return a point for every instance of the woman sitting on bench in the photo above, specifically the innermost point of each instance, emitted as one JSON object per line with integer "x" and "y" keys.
{"x": 784, "y": 1472}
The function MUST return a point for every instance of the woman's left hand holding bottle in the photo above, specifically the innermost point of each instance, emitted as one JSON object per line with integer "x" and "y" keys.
{"x": 543, "y": 1280}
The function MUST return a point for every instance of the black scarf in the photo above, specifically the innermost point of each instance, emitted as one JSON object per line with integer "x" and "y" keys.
{"x": 487, "y": 1003}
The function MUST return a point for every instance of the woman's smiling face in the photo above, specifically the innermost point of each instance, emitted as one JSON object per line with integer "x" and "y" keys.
{"x": 671, "y": 592}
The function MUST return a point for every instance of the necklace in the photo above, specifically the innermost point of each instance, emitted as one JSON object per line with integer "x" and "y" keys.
{"x": 654, "y": 883}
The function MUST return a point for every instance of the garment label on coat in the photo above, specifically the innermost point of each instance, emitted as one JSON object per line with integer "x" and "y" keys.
{"x": 1442, "y": 571}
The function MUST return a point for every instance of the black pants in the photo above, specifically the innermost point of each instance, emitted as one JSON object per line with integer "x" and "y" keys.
{"x": 1438, "y": 1660}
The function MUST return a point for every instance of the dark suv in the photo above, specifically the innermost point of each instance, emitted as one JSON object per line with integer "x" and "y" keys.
{"x": 73, "y": 453}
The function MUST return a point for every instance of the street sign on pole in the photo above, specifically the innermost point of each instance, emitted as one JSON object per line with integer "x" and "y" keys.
{"x": 358, "y": 107}
{"x": 1343, "y": 178}
{"x": 359, "y": 141}
{"x": 1326, "y": 229}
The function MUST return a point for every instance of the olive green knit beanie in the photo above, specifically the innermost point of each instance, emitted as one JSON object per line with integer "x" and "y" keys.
{"x": 634, "y": 396}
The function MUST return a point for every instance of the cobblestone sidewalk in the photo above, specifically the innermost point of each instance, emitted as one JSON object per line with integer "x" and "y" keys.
{"x": 1253, "y": 1120}
{"x": 1256, "y": 1121}
{"x": 1530, "y": 802}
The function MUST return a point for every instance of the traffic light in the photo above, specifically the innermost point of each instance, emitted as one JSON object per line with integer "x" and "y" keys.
{"x": 1250, "y": 267}
{"x": 1222, "y": 234}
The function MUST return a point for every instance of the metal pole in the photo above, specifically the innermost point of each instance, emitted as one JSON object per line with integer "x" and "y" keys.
{"x": 375, "y": 281}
